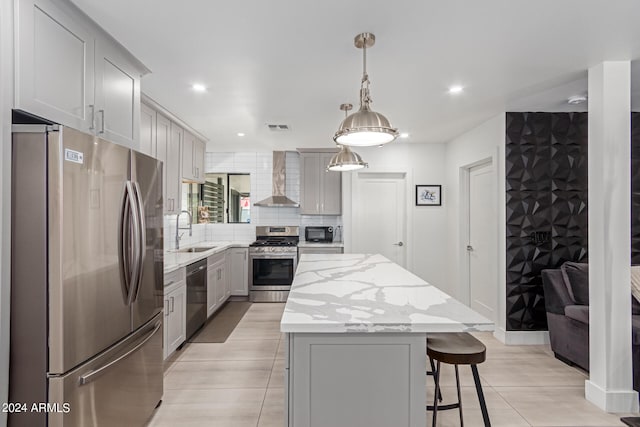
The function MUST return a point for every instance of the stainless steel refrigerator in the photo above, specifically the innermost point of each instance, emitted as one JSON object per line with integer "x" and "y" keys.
{"x": 86, "y": 285}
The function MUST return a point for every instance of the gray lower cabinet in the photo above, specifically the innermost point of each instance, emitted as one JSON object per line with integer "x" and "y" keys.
{"x": 175, "y": 311}
{"x": 217, "y": 283}
{"x": 67, "y": 68}
{"x": 355, "y": 380}
{"x": 319, "y": 250}
{"x": 238, "y": 271}
{"x": 320, "y": 191}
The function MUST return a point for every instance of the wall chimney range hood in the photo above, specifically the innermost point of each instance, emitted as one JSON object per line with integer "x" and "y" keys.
{"x": 278, "y": 198}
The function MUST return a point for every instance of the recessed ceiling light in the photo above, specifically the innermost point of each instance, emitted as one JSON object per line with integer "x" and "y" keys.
{"x": 240, "y": 134}
{"x": 198, "y": 87}
{"x": 404, "y": 135}
{"x": 456, "y": 89}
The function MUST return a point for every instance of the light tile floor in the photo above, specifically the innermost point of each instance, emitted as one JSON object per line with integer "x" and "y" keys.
{"x": 240, "y": 383}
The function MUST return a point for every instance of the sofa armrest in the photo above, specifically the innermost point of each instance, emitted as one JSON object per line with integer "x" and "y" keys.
{"x": 556, "y": 296}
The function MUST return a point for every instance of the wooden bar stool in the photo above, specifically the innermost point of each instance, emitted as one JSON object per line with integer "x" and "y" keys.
{"x": 456, "y": 349}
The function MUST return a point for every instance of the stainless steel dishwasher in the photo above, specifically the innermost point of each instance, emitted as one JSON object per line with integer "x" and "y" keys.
{"x": 196, "y": 296}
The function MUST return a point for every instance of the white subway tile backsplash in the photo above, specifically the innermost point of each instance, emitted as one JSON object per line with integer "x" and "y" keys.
{"x": 259, "y": 165}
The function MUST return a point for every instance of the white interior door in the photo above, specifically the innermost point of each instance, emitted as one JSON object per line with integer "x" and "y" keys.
{"x": 482, "y": 243}
{"x": 379, "y": 213}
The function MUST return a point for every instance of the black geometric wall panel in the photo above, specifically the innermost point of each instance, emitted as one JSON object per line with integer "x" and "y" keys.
{"x": 635, "y": 188}
{"x": 546, "y": 183}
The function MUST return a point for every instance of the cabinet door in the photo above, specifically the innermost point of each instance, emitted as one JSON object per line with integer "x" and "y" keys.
{"x": 117, "y": 91}
{"x": 309, "y": 184}
{"x": 188, "y": 169}
{"x": 212, "y": 300}
{"x": 165, "y": 328}
{"x": 54, "y": 69}
{"x": 177, "y": 321}
{"x": 238, "y": 271}
{"x": 221, "y": 291}
{"x": 172, "y": 167}
{"x": 198, "y": 159}
{"x": 163, "y": 139}
{"x": 330, "y": 188}
{"x": 148, "y": 140}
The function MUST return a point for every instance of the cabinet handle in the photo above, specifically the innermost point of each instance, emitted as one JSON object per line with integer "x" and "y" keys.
{"x": 102, "y": 123}
{"x": 93, "y": 117}
{"x": 172, "y": 306}
{"x": 166, "y": 308}
{"x": 317, "y": 207}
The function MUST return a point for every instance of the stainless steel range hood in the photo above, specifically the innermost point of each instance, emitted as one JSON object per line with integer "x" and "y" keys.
{"x": 278, "y": 198}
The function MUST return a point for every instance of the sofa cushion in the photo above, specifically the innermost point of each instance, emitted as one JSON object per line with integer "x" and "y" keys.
{"x": 578, "y": 312}
{"x": 576, "y": 276}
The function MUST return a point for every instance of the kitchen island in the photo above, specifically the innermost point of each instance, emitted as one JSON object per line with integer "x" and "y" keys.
{"x": 356, "y": 330}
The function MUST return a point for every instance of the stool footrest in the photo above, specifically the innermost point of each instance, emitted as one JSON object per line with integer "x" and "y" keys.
{"x": 444, "y": 407}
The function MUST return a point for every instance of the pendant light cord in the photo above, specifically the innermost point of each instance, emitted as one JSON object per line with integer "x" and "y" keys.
{"x": 365, "y": 99}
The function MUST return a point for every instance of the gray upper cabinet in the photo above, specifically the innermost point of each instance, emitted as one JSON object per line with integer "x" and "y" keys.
{"x": 157, "y": 140}
{"x": 70, "y": 71}
{"x": 192, "y": 158}
{"x": 54, "y": 67}
{"x": 148, "y": 131}
{"x": 117, "y": 94}
{"x": 174, "y": 180}
{"x": 320, "y": 191}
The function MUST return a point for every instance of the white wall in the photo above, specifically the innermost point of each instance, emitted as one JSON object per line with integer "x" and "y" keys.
{"x": 6, "y": 101}
{"x": 426, "y": 225}
{"x": 485, "y": 141}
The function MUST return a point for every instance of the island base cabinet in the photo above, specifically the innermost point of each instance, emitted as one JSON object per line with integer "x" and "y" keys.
{"x": 353, "y": 380}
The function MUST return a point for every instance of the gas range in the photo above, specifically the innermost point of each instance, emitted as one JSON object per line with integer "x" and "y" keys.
{"x": 275, "y": 240}
{"x": 273, "y": 259}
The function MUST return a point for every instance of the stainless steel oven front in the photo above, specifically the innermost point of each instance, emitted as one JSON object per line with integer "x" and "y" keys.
{"x": 271, "y": 271}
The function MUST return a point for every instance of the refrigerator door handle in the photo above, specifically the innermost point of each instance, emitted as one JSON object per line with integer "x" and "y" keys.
{"x": 124, "y": 241}
{"x": 94, "y": 374}
{"x": 141, "y": 235}
{"x": 135, "y": 239}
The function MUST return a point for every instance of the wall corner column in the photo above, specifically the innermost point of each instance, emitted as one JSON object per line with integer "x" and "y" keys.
{"x": 610, "y": 385}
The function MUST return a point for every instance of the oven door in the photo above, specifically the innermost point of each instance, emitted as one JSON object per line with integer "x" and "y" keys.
{"x": 271, "y": 272}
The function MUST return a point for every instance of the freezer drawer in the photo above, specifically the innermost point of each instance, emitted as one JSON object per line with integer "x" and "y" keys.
{"x": 121, "y": 387}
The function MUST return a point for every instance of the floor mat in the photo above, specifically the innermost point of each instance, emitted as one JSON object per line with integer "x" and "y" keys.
{"x": 220, "y": 325}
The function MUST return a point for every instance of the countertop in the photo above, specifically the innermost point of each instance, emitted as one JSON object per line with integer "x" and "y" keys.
{"x": 174, "y": 260}
{"x": 334, "y": 293}
{"x": 305, "y": 244}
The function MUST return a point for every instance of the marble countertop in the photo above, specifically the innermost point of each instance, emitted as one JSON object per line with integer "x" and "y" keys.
{"x": 174, "y": 260}
{"x": 305, "y": 244}
{"x": 333, "y": 293}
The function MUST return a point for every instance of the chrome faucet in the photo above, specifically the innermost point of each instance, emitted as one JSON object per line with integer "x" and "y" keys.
{"x": 183, "y": 228}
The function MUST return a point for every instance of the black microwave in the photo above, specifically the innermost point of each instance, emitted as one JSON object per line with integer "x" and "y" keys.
{"x": 318, "y": 234}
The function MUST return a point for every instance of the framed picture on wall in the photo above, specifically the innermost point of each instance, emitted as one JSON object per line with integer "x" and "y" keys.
{"x": 428, "y": 195}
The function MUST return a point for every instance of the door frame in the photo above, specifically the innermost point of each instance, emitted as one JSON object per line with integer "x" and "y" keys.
{"x": 348, "y": 188}
{"x": 464, "y": 218}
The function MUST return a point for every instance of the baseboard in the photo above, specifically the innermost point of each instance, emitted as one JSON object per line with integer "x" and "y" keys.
{"x": 521, "y": 337}
{"x": 614, "y": 401}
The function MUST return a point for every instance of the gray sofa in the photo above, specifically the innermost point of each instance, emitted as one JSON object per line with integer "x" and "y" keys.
{"x": 566, "y": 294}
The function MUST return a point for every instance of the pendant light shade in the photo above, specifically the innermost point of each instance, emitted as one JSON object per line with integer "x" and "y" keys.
{"x": 365, "y": 127}
{"x": 346, "y": 160}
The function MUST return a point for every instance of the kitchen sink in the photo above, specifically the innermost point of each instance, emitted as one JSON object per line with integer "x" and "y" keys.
{"x": 198, "y": 249}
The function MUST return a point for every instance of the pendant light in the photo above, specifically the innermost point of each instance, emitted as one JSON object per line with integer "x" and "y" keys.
{"x": 365, "y": 127}
{"x": 346, "y": 160}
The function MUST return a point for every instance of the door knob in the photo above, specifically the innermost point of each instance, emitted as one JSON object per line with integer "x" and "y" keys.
{"x": 398, "y": 244}
{"x": 469, "y": 247}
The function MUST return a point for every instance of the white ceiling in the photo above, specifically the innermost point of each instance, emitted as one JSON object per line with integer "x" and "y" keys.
{"x": 293, "y": 61}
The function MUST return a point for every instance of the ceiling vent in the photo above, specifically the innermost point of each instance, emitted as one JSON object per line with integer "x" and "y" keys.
{"x": 278, "y": 128}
